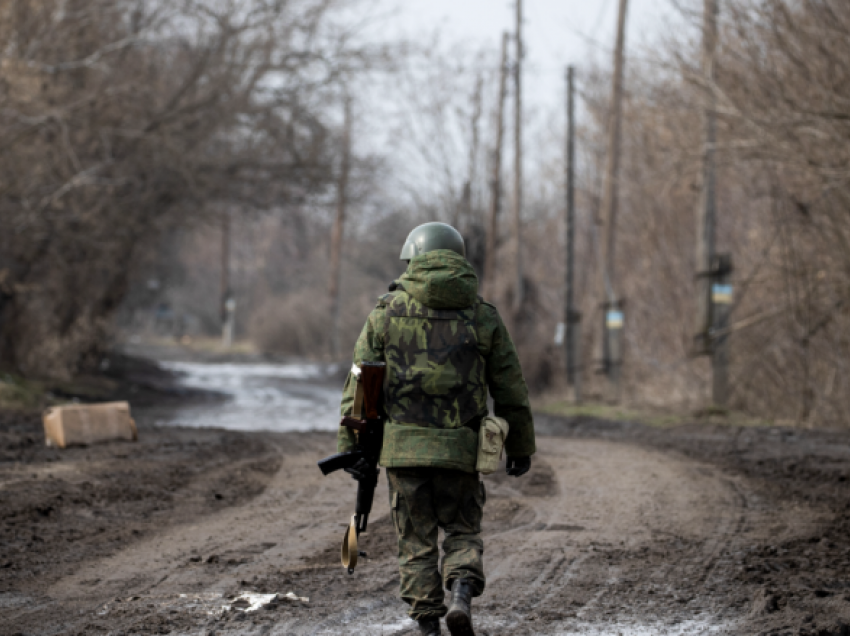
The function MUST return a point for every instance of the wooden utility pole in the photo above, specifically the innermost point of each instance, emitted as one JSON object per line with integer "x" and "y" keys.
{"x": 612, "y": 322}
{"x": 706, "y": 208}
{"x": 228, "y": 303}
{"x": 571, "y": 316}
{"x": 721, "y": 299}
{"x": 464, "y": 216}
{"x": 496, "y": 178}
{"x": 338, "y": 231}
{"x": 713, "y": 275}
{"x": 517, "y": 211}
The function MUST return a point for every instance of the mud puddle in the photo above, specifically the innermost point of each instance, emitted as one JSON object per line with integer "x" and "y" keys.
{"x": 687, "y": 628}
{"x": 258, "y": 397}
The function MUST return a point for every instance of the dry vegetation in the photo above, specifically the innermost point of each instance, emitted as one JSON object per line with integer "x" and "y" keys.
{"x": 120, "y": 122}
{"x": 122, "y": 119}
{"x": 782, "y": 101}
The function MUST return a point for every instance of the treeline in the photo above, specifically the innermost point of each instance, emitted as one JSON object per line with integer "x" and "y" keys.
{"x": 781, "y": 95}
{"x": 128, "y": 131}
{"x": 121, "y": 120}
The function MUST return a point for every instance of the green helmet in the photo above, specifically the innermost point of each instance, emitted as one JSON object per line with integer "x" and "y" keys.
{"x": 432, "y": 236}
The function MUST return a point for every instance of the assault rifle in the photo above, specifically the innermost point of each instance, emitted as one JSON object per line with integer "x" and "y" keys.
{"x": 362, "y": 462}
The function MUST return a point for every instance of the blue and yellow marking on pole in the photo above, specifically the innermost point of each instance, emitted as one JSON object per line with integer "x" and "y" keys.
{"x": 721, "y": 294}
{"x": 614, "y": 319}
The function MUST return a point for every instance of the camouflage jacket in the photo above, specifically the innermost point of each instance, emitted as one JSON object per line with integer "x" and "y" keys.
{"x": 444, "y": 348}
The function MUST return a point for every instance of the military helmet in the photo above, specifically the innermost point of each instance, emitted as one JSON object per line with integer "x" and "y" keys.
{"x": 432, "y": 236}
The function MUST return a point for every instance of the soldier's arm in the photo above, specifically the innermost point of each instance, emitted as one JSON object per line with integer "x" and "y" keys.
{"x": 369, "y": 348}
{"x": 506, "y": 383}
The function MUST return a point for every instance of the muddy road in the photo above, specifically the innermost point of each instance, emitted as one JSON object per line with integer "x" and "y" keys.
{"x": 618, "y": 529}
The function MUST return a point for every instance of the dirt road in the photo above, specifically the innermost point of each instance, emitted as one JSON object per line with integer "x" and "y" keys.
{"x": 618, "y": 529}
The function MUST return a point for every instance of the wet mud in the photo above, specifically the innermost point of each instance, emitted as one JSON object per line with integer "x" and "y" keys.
{"x": 618, "y": 529}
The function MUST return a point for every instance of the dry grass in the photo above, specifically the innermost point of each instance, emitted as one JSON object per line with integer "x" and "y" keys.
{"x": 647, "y": 415}
{"x": 18, "y": 394}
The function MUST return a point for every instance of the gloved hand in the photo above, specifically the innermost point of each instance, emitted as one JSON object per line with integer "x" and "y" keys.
{"x": 360, "y": 469}
{"x": 517, "y": 466}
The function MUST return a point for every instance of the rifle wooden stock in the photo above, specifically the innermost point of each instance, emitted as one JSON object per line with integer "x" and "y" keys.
{"x": 372, "y": 379}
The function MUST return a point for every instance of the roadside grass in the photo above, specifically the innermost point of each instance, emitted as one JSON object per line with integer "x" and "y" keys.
{"x": 22, "y": 394}
{"x": 201, "y": 345}
{"x": 650, "y": 417}
{"x": 215, "y": 345}
{"x": 18, "y": 394}
{"x": 187, "y": 348}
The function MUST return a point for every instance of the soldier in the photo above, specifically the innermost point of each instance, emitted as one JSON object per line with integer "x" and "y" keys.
{"x": 444, "y": 347}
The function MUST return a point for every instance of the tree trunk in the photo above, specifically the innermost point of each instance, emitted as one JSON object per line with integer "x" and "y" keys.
{"x": 338, "y": 233}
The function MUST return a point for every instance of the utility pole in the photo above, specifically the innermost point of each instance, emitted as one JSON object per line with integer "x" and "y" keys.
{"x": 721, "y": 300}
{"x": 496, "y": 177}
{"x": 463, "y": 216}
{"x": 228, "y": 302}
{"x": 612, "y": 323}
{"x": 338, "y": 231}
{"x": 706, "y": 207}
{"x": 517, "y": 211}
{"x": 713, "y": 276}
{"x": 571, "y": 316}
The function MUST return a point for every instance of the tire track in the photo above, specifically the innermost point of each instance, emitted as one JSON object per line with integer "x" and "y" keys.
{"x": 600, "y": 537}
{"x": 542, "y": 588}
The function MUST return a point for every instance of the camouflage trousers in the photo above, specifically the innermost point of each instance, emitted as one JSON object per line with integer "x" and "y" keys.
{"x": 422, "y": 501}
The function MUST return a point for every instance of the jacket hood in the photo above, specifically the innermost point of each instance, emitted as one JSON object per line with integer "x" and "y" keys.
{"x": 441, "y": 279}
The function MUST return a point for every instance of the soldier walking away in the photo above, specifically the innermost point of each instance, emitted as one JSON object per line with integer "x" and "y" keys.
{"x": 444, "y": 348}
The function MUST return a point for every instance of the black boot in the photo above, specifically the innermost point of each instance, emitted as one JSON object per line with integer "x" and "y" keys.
{"x": 429, "y": 626}
{"x": 459, "y": 618}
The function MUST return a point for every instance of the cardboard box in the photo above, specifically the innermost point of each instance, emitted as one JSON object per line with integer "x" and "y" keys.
{"x": 83, "y": 424}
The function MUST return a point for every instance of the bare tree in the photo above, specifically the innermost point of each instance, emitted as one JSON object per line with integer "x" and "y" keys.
{"x": 119, "y": 119}
{"x": 339, "y": 230}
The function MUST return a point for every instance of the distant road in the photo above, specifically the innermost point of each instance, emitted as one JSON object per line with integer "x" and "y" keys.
{"x": 261, "y": 397}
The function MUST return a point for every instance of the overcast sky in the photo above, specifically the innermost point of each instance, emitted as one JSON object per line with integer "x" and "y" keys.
{"x": 556, "y": 32}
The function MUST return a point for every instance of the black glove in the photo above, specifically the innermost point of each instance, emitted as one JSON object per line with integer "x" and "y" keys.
{"x": 360, "y": 469}
{"x": 517, "y": 466}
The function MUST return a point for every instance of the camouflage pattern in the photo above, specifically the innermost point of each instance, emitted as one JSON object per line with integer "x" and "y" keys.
{"x": 429, "y": 330}
{"x": 434, "y": 370}
{"x": 441, "y": 280}
{"x": 444, "y": 348}
{"x": 423, "y": 500}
